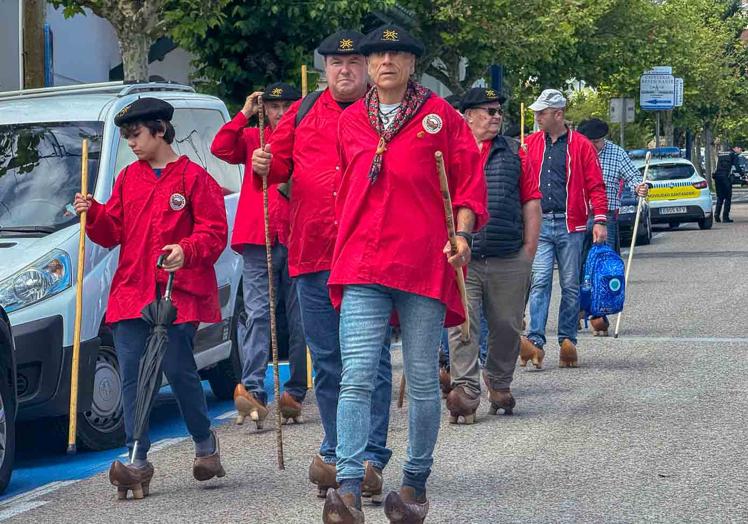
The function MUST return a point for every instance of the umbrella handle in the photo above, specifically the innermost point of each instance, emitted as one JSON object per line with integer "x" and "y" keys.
{"x": 170, "y": 281}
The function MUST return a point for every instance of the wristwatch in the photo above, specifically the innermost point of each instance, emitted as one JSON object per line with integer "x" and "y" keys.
{"x": 467, "y": 236}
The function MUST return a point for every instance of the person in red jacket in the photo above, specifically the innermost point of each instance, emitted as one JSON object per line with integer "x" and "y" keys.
{"x": 571, "y": 182}
{"x": 390, "y": 259}
{"x": 304, "y": 142}
{"x": 161, "y": 204}
{"x": 235, "y": 143}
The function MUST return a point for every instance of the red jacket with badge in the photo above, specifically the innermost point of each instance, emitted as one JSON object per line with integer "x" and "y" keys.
{"x": 183, "y": 206}
{"x": 309, "y": 151}
{"x": 234, "y": 143}
{"x": 393, "y": 232}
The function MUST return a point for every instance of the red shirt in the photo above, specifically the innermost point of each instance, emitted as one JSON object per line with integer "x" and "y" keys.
{"x": 585, "y": 188}
{"x": 393, "y": 232}
{"x": 142, "y": 216}
{"x": 309, "y": 151}
{"x": 234, "y": 143}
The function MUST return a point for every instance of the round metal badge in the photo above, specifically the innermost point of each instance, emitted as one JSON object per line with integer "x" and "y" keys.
{"x": 432, "y": 123}
{"x": 177, "y": 201}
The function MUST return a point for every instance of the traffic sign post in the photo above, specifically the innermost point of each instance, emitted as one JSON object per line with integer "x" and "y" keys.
{"x": 678, "y": 92}
{"x": 657, "y": 93}
{"x": 622, "y": 111}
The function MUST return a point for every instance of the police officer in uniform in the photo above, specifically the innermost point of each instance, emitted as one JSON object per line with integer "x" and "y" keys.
{"x": 726, "y": 161}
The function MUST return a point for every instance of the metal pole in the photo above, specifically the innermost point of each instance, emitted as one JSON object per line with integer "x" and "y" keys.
{"x": 20, "y": 45}
{"x": 623, "y": 122}
{"x": 657, "y": 130}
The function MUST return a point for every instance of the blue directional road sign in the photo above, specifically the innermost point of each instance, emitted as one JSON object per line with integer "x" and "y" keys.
{"x": 657, "y": 92}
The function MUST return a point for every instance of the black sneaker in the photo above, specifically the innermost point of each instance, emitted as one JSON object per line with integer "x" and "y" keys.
{"x": 717, "y": 218}
{"x": 728, "y": 220}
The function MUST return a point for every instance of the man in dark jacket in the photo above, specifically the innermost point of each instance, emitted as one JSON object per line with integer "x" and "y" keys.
{"x": 499, "y": 272}
{"x": 727, "y": 160}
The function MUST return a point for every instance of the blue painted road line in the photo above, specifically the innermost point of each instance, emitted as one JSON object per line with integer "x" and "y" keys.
{"x": 40, "y": 461}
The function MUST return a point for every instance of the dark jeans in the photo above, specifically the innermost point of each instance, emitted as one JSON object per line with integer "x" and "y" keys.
{"x": 254, "y": 336}
{"x": 180, "y": 369}
{"x": 724, "y": 195}
{"x": 321, "y": 327}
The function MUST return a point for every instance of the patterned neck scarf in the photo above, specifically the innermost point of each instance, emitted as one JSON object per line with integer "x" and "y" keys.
{"x": 415, "y": 96}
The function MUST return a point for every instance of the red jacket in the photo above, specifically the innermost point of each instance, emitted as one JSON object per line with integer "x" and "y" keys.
{"x": 234, "y": 143}
{"x": 393, "y": 232}
{"x": 142, "y": 216}
{"x": 309, "y": 151}
{"x": 584, "y": 177}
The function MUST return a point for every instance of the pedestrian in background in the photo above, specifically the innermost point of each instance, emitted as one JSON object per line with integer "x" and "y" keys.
{"x": 726, "y": 161}
{"x": 235, "y": 143}
{"x": 571, "y": 182}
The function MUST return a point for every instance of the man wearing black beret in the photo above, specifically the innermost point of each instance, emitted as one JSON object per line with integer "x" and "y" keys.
{"x": 305, "y": 143}
{"x": 617, "y": 170}
{"x": 235, "y": 143}
{"x": 390, "y": 257}
{"x": 162, "y": 203}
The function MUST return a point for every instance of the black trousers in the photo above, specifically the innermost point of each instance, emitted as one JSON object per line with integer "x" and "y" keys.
{"x": 724, "y": 195}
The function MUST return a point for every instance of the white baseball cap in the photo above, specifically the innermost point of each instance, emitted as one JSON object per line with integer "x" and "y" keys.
{"x": 549, "y": 98}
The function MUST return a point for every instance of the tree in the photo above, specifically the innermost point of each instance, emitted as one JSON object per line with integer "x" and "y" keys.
{"x": 264, "y": 41}
{"x": 139, "y": 24}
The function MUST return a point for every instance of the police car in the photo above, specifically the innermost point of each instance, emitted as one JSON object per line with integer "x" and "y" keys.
{"x": 677, "y": 194}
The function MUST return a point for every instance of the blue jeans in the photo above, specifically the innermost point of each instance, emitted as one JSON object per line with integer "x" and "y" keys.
{"x": 321, "y": 326}
{"x": 555, "y": 244}
{"x": 180, "y": 369}
{"x": 254, "y": 335}
{"x": 364, "y": 319}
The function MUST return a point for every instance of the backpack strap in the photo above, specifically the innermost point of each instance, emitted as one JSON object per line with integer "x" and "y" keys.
{"x": 306, "y": 105}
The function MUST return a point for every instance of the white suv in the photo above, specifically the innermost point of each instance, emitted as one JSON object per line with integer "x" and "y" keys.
{"x": 40, "y": 154}
{"x": 677, "y": 192}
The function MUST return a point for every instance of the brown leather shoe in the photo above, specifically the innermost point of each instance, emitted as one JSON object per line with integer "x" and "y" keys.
{"x": 501, "y": 401}
{"x": 130, "y": 478}
{"x": 567, "y": 357}
{"x": 290, "y": 408}
{"x": 445, "y": 381}
{"x": 462, "y": 403}
{"x": 323, "y": 475}
{"x": 249, "y": 406}
{"x": 205, "y": 468}
{"x": 600, "y": 326}
{"x": 530, "y": 352}
{"x": 341, "y": 509}
{"x": 404, "y": 507}
{"x": 371, "y": 487}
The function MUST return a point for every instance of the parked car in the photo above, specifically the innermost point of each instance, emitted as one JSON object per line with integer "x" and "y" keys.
{"x": 735, "y": 177}
{"x": 677, "y": 192}
{"x": 40, "y": 156}
{"x": 627, "y": 215}
{"x": 8, "y": 404}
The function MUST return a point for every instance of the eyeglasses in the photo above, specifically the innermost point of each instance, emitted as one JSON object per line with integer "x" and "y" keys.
{"x": 493, "y": 111}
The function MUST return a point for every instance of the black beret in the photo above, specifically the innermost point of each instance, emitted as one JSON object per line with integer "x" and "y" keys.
{"x": 144, "y": 109}
{"x": 481, "y": 95}
{"x": 280, "y": 91}
{"x": 453, "y": 100}
{"x": 345, "y": 42}
{"x": 390, "y": 38}
{"x": 593, "y": 128}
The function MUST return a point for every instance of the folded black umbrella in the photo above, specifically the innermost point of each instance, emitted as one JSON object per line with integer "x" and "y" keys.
{"x": 159, "y": 314}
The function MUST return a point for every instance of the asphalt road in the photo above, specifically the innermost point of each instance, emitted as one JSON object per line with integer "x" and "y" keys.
{"x": 650, "y": 428}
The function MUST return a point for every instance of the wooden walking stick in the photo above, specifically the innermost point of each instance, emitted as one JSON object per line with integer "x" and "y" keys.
{"x": 304, "y": 92}
{"x": 522, "y": 126}
{"x": 271, "y": 294}
{"x": 640, "y": 201}
{"x": 73, "y": 413}
{"x": 447, "y": 199}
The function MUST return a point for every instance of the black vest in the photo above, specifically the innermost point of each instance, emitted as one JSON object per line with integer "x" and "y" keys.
{"x": 502, "y": 236}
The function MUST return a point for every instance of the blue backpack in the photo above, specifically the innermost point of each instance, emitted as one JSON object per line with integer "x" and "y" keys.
{"x": 603, "y": 289}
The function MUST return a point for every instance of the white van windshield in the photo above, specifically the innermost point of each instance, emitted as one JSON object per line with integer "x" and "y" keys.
{"x": 40, "y": 172}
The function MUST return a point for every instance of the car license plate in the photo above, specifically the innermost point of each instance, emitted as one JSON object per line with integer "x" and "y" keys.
{"x": 672, "y": 210}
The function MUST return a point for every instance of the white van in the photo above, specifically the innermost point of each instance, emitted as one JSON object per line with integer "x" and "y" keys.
{"x": 40, "y": 156}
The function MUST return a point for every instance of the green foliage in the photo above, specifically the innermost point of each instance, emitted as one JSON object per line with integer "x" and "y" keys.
{"x": 264, "y": 41}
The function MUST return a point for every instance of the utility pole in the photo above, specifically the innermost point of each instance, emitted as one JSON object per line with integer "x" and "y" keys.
{"x": 33, "y": 16}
